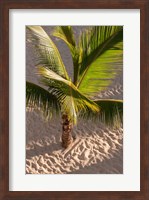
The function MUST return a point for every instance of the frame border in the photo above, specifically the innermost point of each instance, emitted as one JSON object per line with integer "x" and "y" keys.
{"x": 5, "y": 5}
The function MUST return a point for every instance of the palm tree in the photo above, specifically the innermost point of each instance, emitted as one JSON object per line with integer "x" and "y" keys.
{"x": 97, "y": 59}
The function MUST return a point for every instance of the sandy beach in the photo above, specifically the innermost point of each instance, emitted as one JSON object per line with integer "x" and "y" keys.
{"x": 97, "y": 149}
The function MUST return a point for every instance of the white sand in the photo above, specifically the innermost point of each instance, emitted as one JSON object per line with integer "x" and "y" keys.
{"x": 96, "y": 149}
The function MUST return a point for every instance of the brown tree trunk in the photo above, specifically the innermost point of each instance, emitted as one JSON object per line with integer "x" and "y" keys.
{"x": 67, "y": 138}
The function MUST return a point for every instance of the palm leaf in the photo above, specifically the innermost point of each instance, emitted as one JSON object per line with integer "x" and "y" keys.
{"x": 101, "y": 58}
{"x": 48, "y": 54}
{"x": 71, "y": 100}
{"x": 111, "y": 111}
{"x": 65, "y": 33}
{"x": 40, "y": 98}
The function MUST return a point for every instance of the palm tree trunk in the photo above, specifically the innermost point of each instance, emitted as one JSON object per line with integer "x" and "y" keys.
{"x": 67, "y": 138}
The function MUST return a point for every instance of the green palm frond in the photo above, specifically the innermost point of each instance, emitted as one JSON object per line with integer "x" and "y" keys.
{"x": 40, "y": 98}
{"x": 71, "y": 100}
{"x": 111, "y": 111}
{"x": 48, "y": 54}
{"x": 101, "y": 58}
{"x": 97, "y": 60}
{"x": 66, "y": 34}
